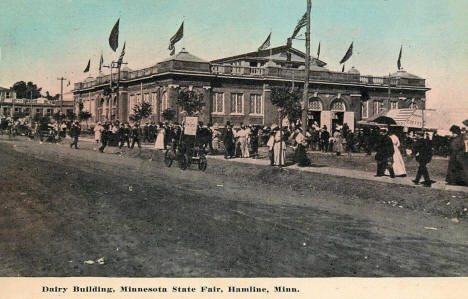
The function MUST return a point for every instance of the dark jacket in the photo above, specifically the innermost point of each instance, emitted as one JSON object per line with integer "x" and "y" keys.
{"x": 136, "y": 132}
{"x": 422, "y": 149}
{"x": 384, "y": 148}
{"x": 75, "y": 131}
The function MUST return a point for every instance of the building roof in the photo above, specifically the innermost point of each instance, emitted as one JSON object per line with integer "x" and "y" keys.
{"x": 404, "y": 74}
{"x": 264, "y": 54}
{"x": 353, "y": 70}
{"x": 184, "y": 55}
{"x": 4, "y": 89}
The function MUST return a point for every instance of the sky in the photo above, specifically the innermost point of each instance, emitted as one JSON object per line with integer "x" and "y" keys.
{"x": 42, "y": 40}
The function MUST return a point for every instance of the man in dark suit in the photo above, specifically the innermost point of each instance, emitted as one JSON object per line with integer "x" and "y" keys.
{"x": 75, "y": 133}
{"x": 228, "y": 140}
{"x": 136, "y": 135}
{"x": 384, "y": 153}
{"x": 124, "y": 135}
{"x": 105, "y": 136}
{"x": 422, "y": 150}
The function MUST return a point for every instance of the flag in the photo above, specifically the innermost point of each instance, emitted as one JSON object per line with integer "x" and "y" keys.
{"x": 348, "y": 54}
{"x": 101, "y": 62}
{"x": 318, "y": 51}
{"x": 114, "y": 37}
{"x": 68, "y": 84}
{"x": 122, "y": 54}
{"x": 177, "y": 37}
{"x": 342, "y": 69}
{"x": 87, "y": 67}
{"x": 173, "y": 51}
{"x": 302, "y": 22}
{"x": 266, "y": 43}
{"x": 399, "y": 58}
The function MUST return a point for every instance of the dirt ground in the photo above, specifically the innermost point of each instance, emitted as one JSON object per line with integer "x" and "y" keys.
{"x": 62, "y": 208}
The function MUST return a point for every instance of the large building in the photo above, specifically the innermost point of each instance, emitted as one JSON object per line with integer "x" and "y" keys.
{"x": 238, "y": 89}
{"x": 10, "y": 105}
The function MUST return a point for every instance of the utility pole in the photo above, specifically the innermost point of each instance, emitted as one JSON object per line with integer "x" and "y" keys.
{"x": 307, "y": 69}
{"x": 114, "y": 65}
{"x": 61, "y": 92}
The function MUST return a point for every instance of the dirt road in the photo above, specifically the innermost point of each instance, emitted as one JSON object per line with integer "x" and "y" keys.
{"x": 63, "y": 210}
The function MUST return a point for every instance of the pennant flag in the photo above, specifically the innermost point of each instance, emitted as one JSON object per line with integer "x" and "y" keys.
{"x": 302, "y": 22}
{"x": 173, "y": 51}
{"x": 177, "y": 37}
{"x": 101, "y": 62}
{"x": 318, "y": 51}
{"x": 342, "y": 69}
{"x": 399, "y": 58}
{"x": 348, "y": 54}
{"x": 87, "y": 67}
{"x": 114, "y": 37}
{"x": 266, "y": 43}
{"x": 122, "y": 54}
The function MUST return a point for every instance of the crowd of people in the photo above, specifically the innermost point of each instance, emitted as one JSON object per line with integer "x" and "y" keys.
{"x": 389, "y": 143}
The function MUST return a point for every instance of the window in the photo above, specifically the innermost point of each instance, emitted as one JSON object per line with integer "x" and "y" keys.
{"x": 218, "y": 103}
{"x": 237, "y": 100}
{"x": 154, "y": 102}
{"x": 132, "y": 102}
{"x": 256, "y": 104}
{"x": 393, "y": 105}
{"x": 378, "y": 107}
{"x": 365, "y": 109}
{"x": 146, "y": 97}
{"x": 315, "y": 105}
{"x": 338, "y": 105}
{"x": 164, "y": 102}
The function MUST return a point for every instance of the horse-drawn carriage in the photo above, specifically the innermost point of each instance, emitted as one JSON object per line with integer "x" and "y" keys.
{"x": 187, "y": 148}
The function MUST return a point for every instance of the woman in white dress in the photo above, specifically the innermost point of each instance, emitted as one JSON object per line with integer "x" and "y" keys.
{"x": 159, "y": 144}
{"x": 279, "y": 150}
{"x": 398, "y": 163}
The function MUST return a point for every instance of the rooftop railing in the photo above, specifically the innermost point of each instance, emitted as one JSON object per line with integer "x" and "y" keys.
{"x": 263, "y": 72}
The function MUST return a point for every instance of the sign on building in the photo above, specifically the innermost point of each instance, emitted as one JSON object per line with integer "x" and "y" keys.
{"x": 191, "y": 124}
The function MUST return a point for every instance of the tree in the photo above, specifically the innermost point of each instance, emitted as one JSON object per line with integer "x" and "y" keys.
{"x": 169, "y": 114}
{"x": 288, "y": 102}
{"x": 25, "y": 90}
{"x": 71, "y": 115}
{"x": 84, "y": 116}
{"x": 58, "y": 116}
{"x": 141, "y": 111}
{"x": 190, "y": 101}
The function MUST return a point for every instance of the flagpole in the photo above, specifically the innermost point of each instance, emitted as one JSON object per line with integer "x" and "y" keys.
{"x": 307, "y": 68}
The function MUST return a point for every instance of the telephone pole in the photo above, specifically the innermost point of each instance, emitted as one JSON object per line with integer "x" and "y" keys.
{"x": 61, "y": 92}
{"x": 307, "y": 69}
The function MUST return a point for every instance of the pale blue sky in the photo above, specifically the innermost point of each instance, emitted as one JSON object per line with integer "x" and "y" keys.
{"x": 44, "y": 39}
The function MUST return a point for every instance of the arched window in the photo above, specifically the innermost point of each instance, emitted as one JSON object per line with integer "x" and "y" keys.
{"x": 164, "y": 101}
{"x": 315, "y": 104}
{"x": 338, "y": 105}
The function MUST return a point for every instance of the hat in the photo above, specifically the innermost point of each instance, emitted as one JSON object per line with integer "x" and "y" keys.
{"x": 455, "y": 129}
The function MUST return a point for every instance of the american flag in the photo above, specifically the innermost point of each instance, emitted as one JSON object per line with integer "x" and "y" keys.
{"x": 122, "y": 54}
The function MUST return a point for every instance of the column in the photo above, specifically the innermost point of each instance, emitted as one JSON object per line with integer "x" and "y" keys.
{"x": 205, "y": 114}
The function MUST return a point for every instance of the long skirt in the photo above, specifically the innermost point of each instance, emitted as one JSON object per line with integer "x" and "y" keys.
{"x": 244, "y": 147}
{"x": 301, "y": 156}
{"x": 398, "y": 163}
{"x": 279, "y": 153}
{"x": 159, "y": 141}
{"x": 457, "y": 173}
